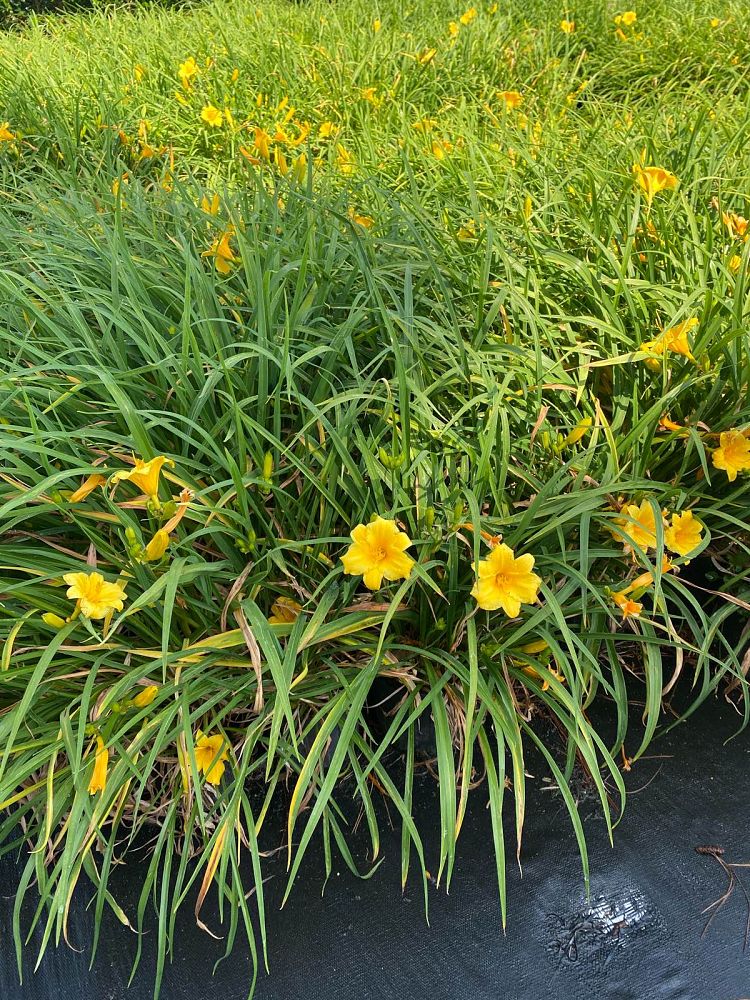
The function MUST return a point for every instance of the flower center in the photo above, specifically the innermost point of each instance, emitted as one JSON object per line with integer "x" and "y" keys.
{"x": 379, "y": 553}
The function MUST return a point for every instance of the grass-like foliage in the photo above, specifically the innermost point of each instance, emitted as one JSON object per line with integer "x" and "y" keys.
{"x": 435, "y": 290}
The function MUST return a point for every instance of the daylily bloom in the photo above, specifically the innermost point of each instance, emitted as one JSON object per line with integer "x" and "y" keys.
{"x": 95, "y": 596}
{"x": 377, "y": 552}
{"x": 98, "y": 780}
{"x": 670, "y": 425}
{"x": 376, "y": 25}
{"x": 736, "y": 224}
{"x": 344, "y": 160}
{"x": 733, "y": 454}
{"x": 212, "y": 206}
{"x": 580, "y": 430}
{"x": 326, "y": 130}
{"x": 674, "y": 339}
{"x": 187, "y": 71}
{"x": 366, "y": 221}
{"x": 735, "y": 263}
{"x": 145, "y": 696}
{"x": 639, "y": 528}
{"x": 684, "y": 533}
{"x": 628, "y": 18}
{"x": 117, "y": 182}
{"x": 512, "y": 99}
{"x": 144, "y": 475}
{"x": 629, "y": 607}
{"x": 468, "y": 16}
{"x": 299, "y": 170}
{"x": 440, "y": 148}
{"x": 157, "y": 546}
{"x": 468, "y": 231}
{"x": 212, "y": 116}
{"x": 5, "y": 133}
{"x": 453, "y": 28}
{"x": 504, "y": 581}
{"x": 86, "y": 487}
{"x": 262, "y": 143}
{"x": 567, "y": 27}
{"x": 210, "y": 754}
{"x": 284, "y": 611}
{"x": 426, "y": 56}
{"x": 652, "y": 180}
{"x": 223, "y": 254}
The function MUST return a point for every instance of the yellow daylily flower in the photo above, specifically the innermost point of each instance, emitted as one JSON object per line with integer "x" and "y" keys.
{"x": 733, "y": 454}
{"x": 117, "y": 182}
{"x": 210, "y": 754}
{"x": 426, "y": 56}
{"x": 95, "y": 596}
{"x": 344, "y": 160}
{"x": 674, "y": 339}
{"x": 468, "y": 16}
{"x": 468, "y": 231}
{"x": 326, "y": 130}
{"x": 567, "y": 27}
{"x": 144, "y": 475}
{"x": 629, "y": 607}
{"x": 377, "y": 552}
{"x": 736, "y": 224}
{"x": 366, "y": 221}
{"x": 377, "y": 25}
{"x": 504, "y": 581}
{"x": 222, "y": 252}
{"x": 145, "y": 696}
{"x": 627, "y": 18}
{"x": 639, "y": 528}
{"x": 212, "y": 206}
{"x": 580, "y": 430}
{"x": 262, "y": 143}
{"x": 371, "y": 94}
{"x": 157, "y": 546}
{"x": 187, "y": 71}
{"x": 684, "y": 533}
{"x": 652, "y": 180}
{"x": 5, "y": 133}
{"x": 441, "y": 148}
{"x": 98, "y": 780}
{"x": 512, "y": 99}
{"x": 212, "y": 116}
{"x": 87, "y": 486}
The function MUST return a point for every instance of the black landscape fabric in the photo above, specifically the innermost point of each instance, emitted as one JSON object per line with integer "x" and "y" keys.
{"x": 641, "y": 933}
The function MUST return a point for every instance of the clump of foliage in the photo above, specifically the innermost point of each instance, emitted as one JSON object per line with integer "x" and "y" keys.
{"x": 228, "y": 344}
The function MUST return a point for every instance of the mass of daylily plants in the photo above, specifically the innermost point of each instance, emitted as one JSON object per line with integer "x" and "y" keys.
{"x": 373, "y": 410}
